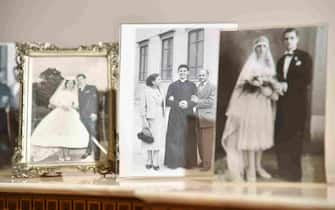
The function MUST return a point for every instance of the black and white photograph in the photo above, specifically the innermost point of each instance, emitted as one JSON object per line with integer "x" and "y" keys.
{"x": 64, "y": 109}
{"x": 168, "y": 88}
{"x": 271, "y": 105}
{"x": 9, "y": 98}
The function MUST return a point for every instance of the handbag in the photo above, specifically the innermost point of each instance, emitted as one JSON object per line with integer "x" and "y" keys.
{"x": 146, "y": 136}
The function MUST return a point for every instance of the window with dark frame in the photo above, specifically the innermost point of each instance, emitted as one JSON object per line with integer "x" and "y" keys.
{"x": 195, "y": 52}
{"x": 143, "y": 67}
{"x": 167, "y": 55}
{"x": 167, "y": 58}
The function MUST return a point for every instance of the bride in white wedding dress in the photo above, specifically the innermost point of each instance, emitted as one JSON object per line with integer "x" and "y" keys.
{"x": 62, "y": 128}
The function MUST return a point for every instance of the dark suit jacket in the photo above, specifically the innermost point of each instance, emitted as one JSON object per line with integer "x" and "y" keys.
{"x": 206, "y": 105}
{"x": 292, "y": 107}
{"x": 88, "y": 101}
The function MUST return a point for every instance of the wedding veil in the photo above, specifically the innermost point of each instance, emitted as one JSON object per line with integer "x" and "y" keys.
{"x": 57, "y": 99}
{"x": 248, "y": 69}
{"x": 237, "y": 107}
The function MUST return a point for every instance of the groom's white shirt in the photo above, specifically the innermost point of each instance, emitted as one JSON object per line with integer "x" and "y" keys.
{"x": 287, "y": 62}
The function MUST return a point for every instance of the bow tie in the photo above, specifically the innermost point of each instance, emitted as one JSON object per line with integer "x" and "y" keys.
{"x": 288, "y": 54}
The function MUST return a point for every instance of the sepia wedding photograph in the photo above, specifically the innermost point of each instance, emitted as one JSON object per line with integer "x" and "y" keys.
{"x": 271, "y": 105}
{"x": 64, "y": 109}
{"x": 9, "y": 100}
{"x": 168, "y": 89}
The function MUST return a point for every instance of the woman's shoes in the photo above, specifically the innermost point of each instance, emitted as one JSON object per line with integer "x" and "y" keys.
{"x": 149, "y": 166}
{"x": 205, "y": 166}
{"x": 251, "y": 176}
{"x": 236, "y": 178}
{"x": 263, "y": 174}
{"x": 66, "y": 158}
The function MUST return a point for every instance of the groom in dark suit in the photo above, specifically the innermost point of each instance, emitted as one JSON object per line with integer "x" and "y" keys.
{"x": 294, "y": 70}
{"x": 88, "y": 110}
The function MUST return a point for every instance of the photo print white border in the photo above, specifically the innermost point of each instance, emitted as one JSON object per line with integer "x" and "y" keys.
{"x": 127, "y": 111}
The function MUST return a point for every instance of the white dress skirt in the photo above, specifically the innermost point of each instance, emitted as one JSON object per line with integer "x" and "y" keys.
{"x": 61, "y": 128}
{"x": 250, "y": 115}
{"x": 250, "y": 122}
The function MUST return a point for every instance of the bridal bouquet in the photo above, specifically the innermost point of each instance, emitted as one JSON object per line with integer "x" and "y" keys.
{"x": 266, "y": 85}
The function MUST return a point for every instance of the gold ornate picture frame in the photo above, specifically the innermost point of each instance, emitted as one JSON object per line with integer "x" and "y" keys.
{"x": 68, "y": 109}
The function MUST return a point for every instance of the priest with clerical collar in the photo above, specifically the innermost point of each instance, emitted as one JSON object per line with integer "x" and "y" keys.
{"x": 181, "y": 145}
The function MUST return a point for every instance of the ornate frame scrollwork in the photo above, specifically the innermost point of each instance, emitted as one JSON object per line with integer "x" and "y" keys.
{"x": 22, "y": 168}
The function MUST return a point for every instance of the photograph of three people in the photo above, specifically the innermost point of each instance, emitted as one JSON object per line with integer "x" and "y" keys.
{"x": 204, "y": 99}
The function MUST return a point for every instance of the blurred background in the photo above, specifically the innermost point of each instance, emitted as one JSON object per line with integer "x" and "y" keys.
{"x": 9, "y": 99}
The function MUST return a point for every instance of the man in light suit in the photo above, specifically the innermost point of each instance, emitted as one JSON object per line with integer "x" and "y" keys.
{"x": 205, "y": 110}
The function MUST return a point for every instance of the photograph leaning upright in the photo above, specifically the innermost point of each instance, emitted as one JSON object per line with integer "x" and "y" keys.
{"x": 271, "y": 105}
{"x": 167, "y": 103}
{"x": 67, "y": 118}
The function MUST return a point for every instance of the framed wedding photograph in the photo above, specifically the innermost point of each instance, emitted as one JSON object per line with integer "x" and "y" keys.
{"x": 167, "y": 101}
{"x": 68, "y": 106}
{"x": 272, "y": 104}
